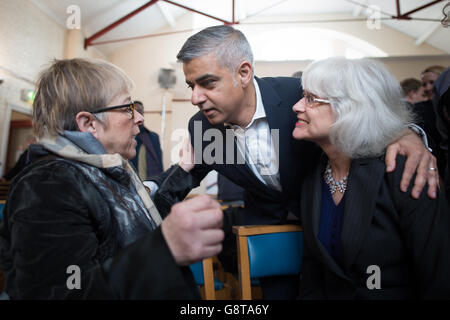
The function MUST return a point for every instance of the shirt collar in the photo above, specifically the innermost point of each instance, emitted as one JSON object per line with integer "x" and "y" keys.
{"x": 260, "y": 113}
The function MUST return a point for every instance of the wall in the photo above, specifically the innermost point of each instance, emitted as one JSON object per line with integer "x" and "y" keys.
{"x": 142, "y": 60}
{"x": 389, "y": 40}
{"x": 29, "y": 40}
{"x": 401, "y": 67}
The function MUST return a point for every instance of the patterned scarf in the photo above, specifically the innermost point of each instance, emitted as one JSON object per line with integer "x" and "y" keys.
{"x": 84, "y": 147}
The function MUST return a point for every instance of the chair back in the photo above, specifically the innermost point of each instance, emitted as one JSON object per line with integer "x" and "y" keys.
{"x": 275, "y": 254}
{"x": 2, "y": 205}
{"x": 4, "y": 189}
{"x": 267, "y": 251}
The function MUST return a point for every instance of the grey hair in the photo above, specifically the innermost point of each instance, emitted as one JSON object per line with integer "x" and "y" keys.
{"x": 366, "y": 100}
{"x": 70, "y": 86}
{"x": 229, "y": 45}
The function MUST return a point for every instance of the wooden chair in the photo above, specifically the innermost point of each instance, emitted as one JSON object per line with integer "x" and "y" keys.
{"x": 2, "y": 205}
{"x": 267, "y": 251}
{"x": 204, "y": 277}
{"x": 4, "y": 189}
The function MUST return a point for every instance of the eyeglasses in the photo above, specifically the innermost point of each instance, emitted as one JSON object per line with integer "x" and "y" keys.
{"x": 310, "y": 100}
{"x": 129, "y": 106}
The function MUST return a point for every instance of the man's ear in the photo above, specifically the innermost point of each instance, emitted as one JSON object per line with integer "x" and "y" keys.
{"x": 87, "y": 122}
{"x": 245, "y": 73}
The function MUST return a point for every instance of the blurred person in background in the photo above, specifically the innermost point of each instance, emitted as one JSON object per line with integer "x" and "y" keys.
{"x": 148, "y": 159}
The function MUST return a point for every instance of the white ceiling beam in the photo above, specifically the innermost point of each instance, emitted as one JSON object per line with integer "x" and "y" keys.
{"x": 166, "y": 14}
{"x": 427, "y": 33}
{"x": 359, "y": 8}
{"x": 49, "y": 12}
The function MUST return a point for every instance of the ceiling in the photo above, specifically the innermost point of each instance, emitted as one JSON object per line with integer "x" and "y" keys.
{"x": 96, "y": 15}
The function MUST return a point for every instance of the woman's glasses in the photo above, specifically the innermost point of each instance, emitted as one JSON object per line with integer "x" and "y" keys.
{"x": 129, "y": 106}
{"x": 310, "y": 100}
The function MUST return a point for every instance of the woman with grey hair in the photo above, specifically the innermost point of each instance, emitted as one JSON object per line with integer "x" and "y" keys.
{"x": 78, "y": 222}
{"x": 363, "y": 237}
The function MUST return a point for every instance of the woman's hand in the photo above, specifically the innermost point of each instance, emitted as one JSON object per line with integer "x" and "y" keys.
{"x": 186, "y": 156}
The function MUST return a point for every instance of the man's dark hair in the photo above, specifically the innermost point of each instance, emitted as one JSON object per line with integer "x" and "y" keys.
{"x": 409, "y": 85}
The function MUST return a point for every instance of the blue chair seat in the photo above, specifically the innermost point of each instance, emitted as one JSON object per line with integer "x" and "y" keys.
{"x": 263, "y": 264}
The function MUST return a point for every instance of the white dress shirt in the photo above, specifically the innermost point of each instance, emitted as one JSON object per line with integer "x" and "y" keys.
{"x": 258, "y": 143}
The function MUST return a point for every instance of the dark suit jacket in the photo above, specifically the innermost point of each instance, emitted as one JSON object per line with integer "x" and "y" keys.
{"x": 150, "y": 141}
{"x": 18, "y": 167}
{"x": 263, "y": 205}
{"x": 408, "y": 239}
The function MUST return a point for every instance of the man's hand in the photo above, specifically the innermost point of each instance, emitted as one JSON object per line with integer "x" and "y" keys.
{"x": 186, "y": 156}
{"x": 193, "y": 230}
{"x": 417, "y": 158}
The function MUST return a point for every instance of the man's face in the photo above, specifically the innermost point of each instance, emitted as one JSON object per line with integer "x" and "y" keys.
{"x": 216, "y": 91}
{"x": 416, "y": 96}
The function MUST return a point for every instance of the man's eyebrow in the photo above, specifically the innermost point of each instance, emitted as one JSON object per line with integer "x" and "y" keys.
{"x": 206, "y": 76}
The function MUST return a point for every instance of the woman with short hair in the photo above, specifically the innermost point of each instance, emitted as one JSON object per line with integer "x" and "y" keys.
{"x": 78, "y": 222}
{"x": 363, "y": 237}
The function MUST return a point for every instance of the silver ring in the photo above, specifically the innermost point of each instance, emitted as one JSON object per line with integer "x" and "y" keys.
{"x": 432, "y": 169}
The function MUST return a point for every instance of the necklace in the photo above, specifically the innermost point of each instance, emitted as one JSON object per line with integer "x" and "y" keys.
{"x": 339, "y": 185}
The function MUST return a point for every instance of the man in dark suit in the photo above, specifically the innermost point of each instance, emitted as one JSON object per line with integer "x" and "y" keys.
{"x": 441, "y": 104}
{"x": 244, "y": 131}
{"x": 148, "y": 159}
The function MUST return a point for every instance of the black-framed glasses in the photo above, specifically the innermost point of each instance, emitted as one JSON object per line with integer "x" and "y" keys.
{"x": 129, "y": 106}
{"x": 310, "y": 100}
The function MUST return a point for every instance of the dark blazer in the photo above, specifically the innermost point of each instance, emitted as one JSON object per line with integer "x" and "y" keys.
{"x": 150, "y": 141}
{"x": 263, "y": 205}
{"x": 20, "y": 164}
{"x": 408, "y": 239}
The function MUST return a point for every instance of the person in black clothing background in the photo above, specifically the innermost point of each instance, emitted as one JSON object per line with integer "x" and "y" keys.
{"x": 441, "y": 102}
{"x": 426, "y": 114}
{"x": 148, "y": 160}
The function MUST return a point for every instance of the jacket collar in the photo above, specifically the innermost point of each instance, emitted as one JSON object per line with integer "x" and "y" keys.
{"x": 279, "y": 122}
{"x": 270, "y": 100}
{"x": 365, "y": 178}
